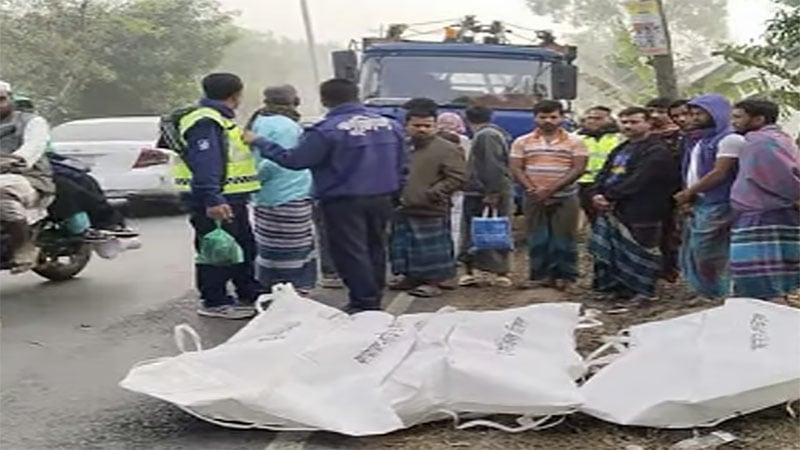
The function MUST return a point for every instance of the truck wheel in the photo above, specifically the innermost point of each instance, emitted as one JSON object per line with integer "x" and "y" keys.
{"x": 63, "y": 268}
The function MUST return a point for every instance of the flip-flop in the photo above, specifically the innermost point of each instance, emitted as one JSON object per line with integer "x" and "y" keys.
{"x": 404, "y": 284}
{"x": 467, "y": 281}
{"x": 425, "y": 291}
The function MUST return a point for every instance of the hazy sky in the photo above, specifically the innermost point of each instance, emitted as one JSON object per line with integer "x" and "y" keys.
{"x": 341, "y": 20}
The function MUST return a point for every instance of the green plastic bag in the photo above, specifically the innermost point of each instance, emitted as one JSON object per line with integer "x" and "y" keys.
{"x": 219, "y": 248}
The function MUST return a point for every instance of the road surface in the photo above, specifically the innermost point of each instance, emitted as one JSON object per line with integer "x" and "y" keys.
{"x": 65, "y": 346}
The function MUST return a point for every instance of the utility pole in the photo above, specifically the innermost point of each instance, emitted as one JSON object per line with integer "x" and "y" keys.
{"x": 312, "y": 46}
{"x": 664, "y": 65}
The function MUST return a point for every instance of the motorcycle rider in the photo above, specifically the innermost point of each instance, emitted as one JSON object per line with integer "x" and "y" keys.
{"x": 26, "y": 185}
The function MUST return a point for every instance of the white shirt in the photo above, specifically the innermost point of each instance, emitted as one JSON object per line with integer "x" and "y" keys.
{"x": 36, "y": 137}
{"x": 729, "y": 147}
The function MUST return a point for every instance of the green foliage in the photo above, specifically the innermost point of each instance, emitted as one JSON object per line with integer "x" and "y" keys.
{"x": 612, "y": 69}
{"x": 84, "y": 58}
{"x": 777, "y": 60}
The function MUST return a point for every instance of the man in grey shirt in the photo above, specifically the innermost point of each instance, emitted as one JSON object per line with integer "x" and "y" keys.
{"x": 488, "y": 188}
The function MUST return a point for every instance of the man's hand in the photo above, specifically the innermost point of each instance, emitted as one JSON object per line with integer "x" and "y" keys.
{"x": 10, "y": 162}
{"x": 542, "y": 195}
{"x": 600, "y": 203}
{"x": 222, "y": 212}
{"x": 249, "y": 137}
{"x": 683, "y": 197}
{"x": 491, "y": 200}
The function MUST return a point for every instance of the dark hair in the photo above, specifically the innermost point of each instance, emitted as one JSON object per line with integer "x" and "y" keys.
{"x": 221, "y": 86}
{"x": 548, "y": 106}
{"x": 605, "y": 109}
{"x": 660, "y": 102}
{"x": 421, "y": 103}
{"x": 633, "y": 110}
{"x": 678, "y": 103}
{"x": 336, "y": 91}
{"x": 421, "y": 107}
{"x": 758, "y": 107}
{"x": 422, "y": 112}
{"x": 479, "y": 114}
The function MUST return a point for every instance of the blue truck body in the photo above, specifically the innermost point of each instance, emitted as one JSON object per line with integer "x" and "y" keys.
{"x": 515, "y": 120}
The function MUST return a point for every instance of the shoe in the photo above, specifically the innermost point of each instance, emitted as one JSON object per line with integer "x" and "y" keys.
{"x": 121, "y": 231}
{"x": 231, "y": 312}
{"x": 331, "y": 282}
{"x": 92, "y": 235}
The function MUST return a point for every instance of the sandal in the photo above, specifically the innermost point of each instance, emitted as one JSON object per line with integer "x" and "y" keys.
{"x": 502, "y": 281}
{"x": 425, "y": 291}
{"x": 403, "y": 284}
{"x": 467, "y": 281}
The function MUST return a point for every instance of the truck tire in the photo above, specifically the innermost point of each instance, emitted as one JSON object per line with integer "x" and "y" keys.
{"x": 65, "y": 268}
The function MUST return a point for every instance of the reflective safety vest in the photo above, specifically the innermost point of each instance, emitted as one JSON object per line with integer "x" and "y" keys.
{"x": 599, "y": 150}
{"x": 240, "y": 174}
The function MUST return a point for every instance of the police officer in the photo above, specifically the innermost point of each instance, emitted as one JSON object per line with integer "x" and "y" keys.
{"x": 357, "y": 159}
{"x": 218, "y": 174}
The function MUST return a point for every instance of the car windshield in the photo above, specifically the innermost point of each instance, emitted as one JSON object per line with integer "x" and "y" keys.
{"x": 138, "y": 130}
{"x": 510, "y": 83}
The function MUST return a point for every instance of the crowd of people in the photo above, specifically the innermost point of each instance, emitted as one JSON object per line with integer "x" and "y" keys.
{"x": 694, "y": 187}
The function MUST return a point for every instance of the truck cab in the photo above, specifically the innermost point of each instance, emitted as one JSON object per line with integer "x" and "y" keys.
{"x": 510, "y": 79}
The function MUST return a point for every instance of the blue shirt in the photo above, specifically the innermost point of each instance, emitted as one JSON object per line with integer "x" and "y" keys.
{"x": 280, "y": 185}
{"x": 352, "y": 152}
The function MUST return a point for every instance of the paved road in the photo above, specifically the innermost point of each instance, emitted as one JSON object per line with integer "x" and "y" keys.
{"x": 65, "y": 346}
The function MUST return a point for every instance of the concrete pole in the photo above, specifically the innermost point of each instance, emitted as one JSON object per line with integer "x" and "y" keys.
{"x": 312, "y": 46}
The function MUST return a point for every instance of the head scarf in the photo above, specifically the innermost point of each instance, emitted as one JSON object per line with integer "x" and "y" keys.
{"x": 451, "y": 122}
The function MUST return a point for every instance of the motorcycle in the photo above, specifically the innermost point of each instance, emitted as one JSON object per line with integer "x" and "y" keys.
{"x": 62, "y": 254}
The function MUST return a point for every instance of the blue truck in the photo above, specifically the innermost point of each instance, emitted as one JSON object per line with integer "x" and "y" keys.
{"x": 458, "y": 71}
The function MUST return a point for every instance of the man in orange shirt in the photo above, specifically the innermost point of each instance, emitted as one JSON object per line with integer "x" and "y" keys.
{"x": 548, "y": 162}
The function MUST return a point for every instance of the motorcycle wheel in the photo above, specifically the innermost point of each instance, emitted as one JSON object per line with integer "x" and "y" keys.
{"x": 63, "y": 268}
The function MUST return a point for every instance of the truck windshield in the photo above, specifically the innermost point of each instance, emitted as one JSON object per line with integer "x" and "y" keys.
{"x": 509, "y": 83}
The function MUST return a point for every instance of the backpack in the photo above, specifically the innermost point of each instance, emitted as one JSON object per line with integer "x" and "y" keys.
{"x": 169, "y": 126}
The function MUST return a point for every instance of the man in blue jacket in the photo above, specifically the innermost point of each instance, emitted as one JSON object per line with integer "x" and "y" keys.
{"x": 357, "y": 160}
{"x": 218, "y": 175}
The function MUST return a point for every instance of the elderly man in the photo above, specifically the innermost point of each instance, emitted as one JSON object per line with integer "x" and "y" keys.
{"x": 26, "y": 186}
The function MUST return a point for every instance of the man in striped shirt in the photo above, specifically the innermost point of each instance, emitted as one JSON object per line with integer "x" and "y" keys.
{"x": 548, "y": 162}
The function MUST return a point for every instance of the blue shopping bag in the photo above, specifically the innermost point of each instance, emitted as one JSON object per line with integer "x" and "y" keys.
{"x": 490, "y": 232}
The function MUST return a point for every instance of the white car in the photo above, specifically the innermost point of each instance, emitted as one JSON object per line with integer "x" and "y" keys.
{"x": 121, "y": 154}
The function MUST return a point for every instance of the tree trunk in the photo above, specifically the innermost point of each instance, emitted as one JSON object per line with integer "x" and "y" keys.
{"x": 664, "y": 65}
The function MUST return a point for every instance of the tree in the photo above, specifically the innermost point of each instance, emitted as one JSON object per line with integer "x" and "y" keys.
{"x": 262, "y": 60}
{"x": 777, "y": 60}
{"x": 84, "y": 58}
{"x": 611, "y": 66}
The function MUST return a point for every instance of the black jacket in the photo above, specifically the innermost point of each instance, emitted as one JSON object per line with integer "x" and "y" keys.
{"x": 644, "y": 192}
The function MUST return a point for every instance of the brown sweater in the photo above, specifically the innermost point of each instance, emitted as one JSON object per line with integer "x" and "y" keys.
{"x": 435, "y": 172}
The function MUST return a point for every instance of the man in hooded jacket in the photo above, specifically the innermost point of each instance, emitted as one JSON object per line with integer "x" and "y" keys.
{"x": 709, "y": 168}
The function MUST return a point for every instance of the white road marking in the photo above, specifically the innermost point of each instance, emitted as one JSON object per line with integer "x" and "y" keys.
{"x": 296, "y": 440}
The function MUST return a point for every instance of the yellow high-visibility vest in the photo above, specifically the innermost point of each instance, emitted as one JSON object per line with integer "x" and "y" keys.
{"x": 241, "y": 175}
{"x": 599, "y": 150}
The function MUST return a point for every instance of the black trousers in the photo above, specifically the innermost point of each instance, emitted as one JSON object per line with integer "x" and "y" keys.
{"x": 212, "y": 281}
{"x": 84, "y": 195}
{"x": 357, "y": 232}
